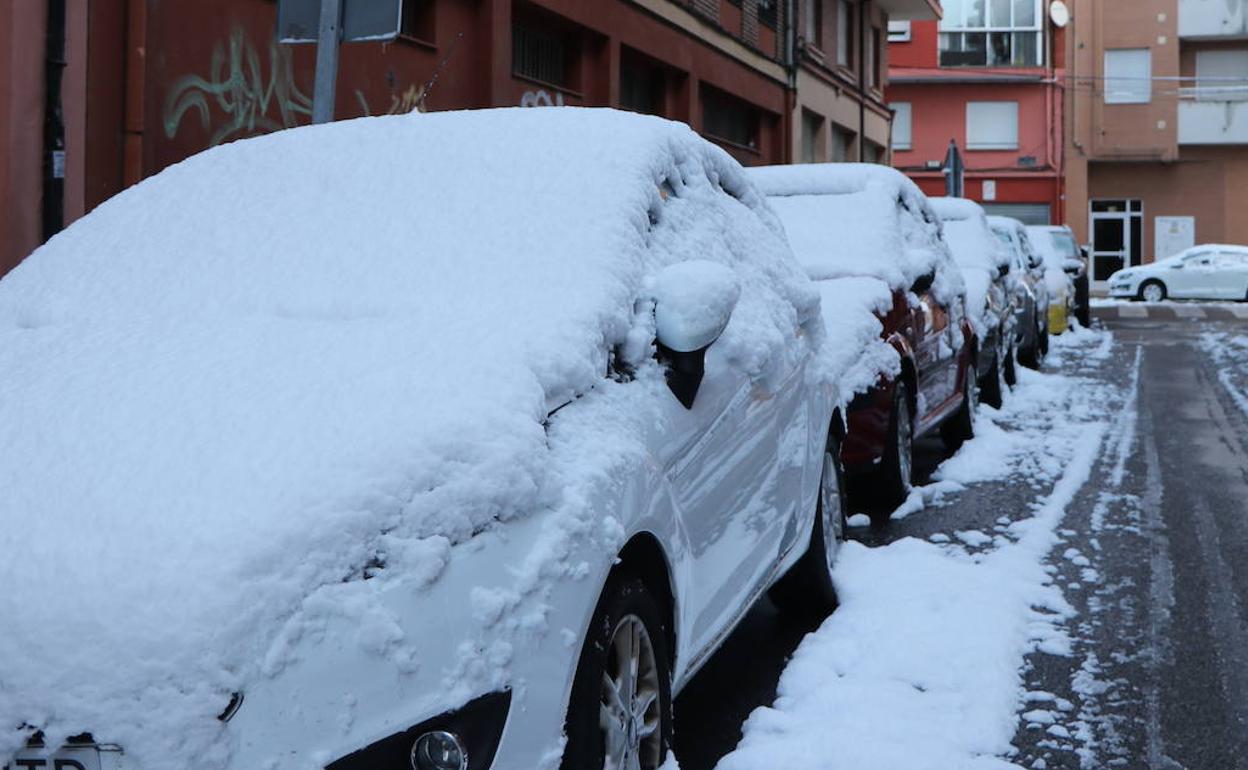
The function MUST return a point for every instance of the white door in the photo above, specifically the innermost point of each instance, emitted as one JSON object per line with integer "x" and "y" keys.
{"x": 735, "y": 491}
{"x": 1231, "y": 275}
{"x": 1194, "y": 280}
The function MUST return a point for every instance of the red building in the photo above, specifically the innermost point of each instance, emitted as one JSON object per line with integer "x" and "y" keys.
{"x": 988, "y": 76}
{"x": 146, "y": 83}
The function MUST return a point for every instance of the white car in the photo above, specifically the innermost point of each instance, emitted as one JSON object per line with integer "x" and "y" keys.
{"x": 1212, "y": 271}
{"x": 445, "y": 441}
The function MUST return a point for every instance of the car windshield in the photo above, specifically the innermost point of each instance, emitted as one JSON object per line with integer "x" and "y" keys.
{"x": 1065, "y": 244}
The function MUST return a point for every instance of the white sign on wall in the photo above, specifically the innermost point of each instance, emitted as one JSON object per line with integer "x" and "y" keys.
{"x": 990, "y": 190}
{"x": 1172, "y": 235}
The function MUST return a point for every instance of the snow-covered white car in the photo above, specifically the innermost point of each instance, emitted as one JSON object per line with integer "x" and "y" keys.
{"x": 869, "y": 238}
{"x": 991, "y": 289}
{"x": 1032, "y": 291}
{"x": 441, "y": 442}
{"x": 1212, "y": 271}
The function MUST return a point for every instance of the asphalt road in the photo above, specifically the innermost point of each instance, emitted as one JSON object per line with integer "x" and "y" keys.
{"x": 1158, "y": 676}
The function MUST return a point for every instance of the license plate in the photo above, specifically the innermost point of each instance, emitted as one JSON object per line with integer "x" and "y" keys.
{"x": 78, "y": 758}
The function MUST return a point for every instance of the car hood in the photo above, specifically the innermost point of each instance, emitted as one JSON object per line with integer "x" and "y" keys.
{"x": 302, "y": 359}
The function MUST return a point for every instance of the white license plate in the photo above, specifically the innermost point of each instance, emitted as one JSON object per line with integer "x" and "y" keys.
{"x": 65, "y": 759}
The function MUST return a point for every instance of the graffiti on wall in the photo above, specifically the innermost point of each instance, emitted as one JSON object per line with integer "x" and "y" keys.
{"x": 243, "y": 96}
{"x": 240, "y": 96}
{"x": 541, "y": 99}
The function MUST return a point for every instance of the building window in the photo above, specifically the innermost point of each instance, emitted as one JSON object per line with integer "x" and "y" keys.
{"x": 813, "y": 23}
{"x": 992, "y": 125}
{"x": 1128, "y": 76}
{"x": 875, "y": 49}
{"x": 899, "y": 32}
{"x": 813, "y": 144}
{"x": 643, "y": 84}
{"x": 872, "y": 153}
{"x": 729, "y": 119}
{"x": 844, "y": 34}
{"x": 539, "y": 56}
{"x": 1222, "y": 75}
{"x": 842, "y": 144}
{"x": 767, "y": 12}
{"x": 901, "y": 125}
{"x": 417, "y": 20}
{"x": 992, "y": 33}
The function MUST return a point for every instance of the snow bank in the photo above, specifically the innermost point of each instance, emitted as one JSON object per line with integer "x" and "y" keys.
{"x": 847, "y": 219}
{"x": 326, "y": 353}
{"x": 919, "y": 668}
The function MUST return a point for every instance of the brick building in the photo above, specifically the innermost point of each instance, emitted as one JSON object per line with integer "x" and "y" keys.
{"x": 990, "y": 77}
{"x": 1159, "y": 112}
{"x": 147, "y": 83}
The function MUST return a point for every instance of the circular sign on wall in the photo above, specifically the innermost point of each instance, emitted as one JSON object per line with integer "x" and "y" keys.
{"x": 1059, "y": 12}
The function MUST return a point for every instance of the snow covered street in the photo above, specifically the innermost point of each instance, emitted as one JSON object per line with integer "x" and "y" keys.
{"x": 1062, "y": 593}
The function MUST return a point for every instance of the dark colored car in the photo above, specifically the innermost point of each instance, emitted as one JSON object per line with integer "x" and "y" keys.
{"x": 849, "y": 221}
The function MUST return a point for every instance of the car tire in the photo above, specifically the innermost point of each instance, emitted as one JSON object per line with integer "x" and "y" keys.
{"x": 894, "y": 479}
{"x": 1152, "y": 291}
{"x": 960, "y": 428}
{"x": 806, "y": 590}
{"x": 1083, "y": 304}
{"x": 1011, "y": 372}
{"x": 990, "y": 389}
{"x": 1032, "y": 356}
{"x": 627, "y": 625}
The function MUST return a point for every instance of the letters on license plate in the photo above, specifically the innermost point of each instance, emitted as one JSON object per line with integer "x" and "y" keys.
{"x": 81, "y": 758}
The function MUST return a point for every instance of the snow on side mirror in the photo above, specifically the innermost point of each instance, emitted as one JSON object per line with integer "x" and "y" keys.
{"x": 693, "y": 302}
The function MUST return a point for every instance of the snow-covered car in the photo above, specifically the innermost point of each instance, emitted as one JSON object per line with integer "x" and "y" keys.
{"x": 1056, "y": 244}
{"x": 991, "y": 293}
{"x": 1212, "y": 271}
{"x": 869, "y": 238}
{"x": 1032, "y": 291}
{"x": 435, "y": 441}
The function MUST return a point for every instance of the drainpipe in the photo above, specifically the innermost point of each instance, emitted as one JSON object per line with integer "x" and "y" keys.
{"x": 862, "y": 81}
{"x": 54, "y": 123}
{"x": 790, "y": 64}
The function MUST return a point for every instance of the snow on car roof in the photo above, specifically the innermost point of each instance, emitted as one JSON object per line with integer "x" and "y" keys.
{"x": 250, "y": 376}
{"x": 967, "y": 231}
{"x": 850, "y": 219}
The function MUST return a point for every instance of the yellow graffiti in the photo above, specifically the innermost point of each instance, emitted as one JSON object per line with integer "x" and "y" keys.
{"x": 413, "y": 99}
{"x": 250, "y": 101}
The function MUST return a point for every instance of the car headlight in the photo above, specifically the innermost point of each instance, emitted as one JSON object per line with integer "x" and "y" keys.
{"x": 465, "y": 739}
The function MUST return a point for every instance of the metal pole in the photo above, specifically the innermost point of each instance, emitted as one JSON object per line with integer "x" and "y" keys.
{"x": 327, "y": 61}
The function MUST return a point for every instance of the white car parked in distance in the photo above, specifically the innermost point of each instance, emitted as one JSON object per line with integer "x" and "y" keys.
{"x": 441, "y": 441}
{"x": 1212, "y": 271}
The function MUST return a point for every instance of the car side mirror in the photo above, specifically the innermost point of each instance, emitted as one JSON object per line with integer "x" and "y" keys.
{"x": 1003, "y": 270}
{"x": 924, "y": 283}
{"x": 1085, "y": 252}
{"x": 693, "y": 302}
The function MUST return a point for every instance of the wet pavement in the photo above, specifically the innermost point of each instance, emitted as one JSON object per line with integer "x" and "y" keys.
{"x": 1154, "y": 560}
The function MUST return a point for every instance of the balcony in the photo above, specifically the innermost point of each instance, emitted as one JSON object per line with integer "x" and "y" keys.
{"x": 1214, "y": 121}
{"x": 1213, "y": 19}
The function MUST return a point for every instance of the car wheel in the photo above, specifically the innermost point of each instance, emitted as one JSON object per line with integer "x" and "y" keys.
{"x": 990, "y": 386}
{"x": 895, "y": 477}
{"x": 620, "y": 711}
{"x": 1044, "y": 343}
{"x": 1083, "y": 303}
{"x": 1032, "y": 356}
{"x": 1152, "y": 291}
{"x": 807, "y": 588}
{"x": 960, "y": 428}
{"x": 1011, "y": 374}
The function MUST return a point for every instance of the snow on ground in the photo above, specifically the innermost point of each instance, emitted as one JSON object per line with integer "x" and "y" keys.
{"x": 1230, "y": 353}
{"x": 920, "y": 666}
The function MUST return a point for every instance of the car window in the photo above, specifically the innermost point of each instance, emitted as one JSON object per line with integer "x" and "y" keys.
{"x": 1230, "y": 260}
{"x": 1198, "y": 258}
{"x": 1065, "y": 244}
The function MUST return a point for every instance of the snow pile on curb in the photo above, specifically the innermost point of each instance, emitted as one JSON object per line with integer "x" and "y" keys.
{"x": 920, "y": 666}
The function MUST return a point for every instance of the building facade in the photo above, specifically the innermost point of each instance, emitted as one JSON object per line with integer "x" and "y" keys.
{"x": 1158, "y": 145}
{"x": 840, "y": 73}
{"x": 989, "y": 77}
{"x": 146, "y": 83}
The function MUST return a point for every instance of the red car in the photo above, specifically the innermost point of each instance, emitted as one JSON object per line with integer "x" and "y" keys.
{"x": 849, "y": 221}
